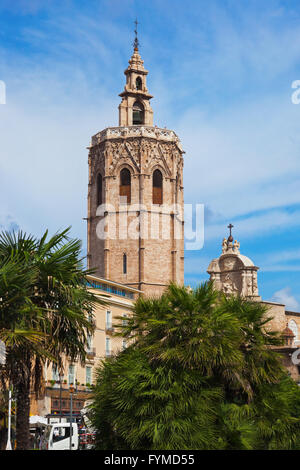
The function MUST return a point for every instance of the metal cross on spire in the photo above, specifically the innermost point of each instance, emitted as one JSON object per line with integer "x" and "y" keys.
{"x": 230, "y": 238}
{"x": 136, "y": 41}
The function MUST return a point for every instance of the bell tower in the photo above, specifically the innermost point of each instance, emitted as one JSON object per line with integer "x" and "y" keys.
{"x": 135, "y": 107}
{"x": 135, "y": 194}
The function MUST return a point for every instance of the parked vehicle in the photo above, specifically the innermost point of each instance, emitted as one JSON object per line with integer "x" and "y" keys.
{"x": 57, "y": 437}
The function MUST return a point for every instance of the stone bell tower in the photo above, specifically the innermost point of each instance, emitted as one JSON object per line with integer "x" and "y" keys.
{"x": 135, "y": 195}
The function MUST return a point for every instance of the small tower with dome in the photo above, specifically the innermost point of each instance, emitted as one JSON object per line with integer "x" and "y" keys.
{"x": 234, "y": 273}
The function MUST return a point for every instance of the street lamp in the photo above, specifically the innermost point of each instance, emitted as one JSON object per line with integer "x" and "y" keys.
{"x": 8, "y": 445}
{"x": 60, "y": 391}
{"x": 71, "y": 411}
{"x": 2, "y": 363}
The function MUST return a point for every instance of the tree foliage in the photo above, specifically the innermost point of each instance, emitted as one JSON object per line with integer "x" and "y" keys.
{"x": 45, "y": 311}
{"x": 199, "y": 373}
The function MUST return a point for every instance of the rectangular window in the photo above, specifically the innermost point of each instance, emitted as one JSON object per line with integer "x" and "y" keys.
{"x": 71, "y": 376}
{"x": 124, "y": 321}
{"x": 55, "y": 374}
{"x": 108, "y": 319}
{"x": 89, "y": 342}
{"x": 124, "y": 344}
{"x": 88, "y": 375}
{"x": 91, "y": 318}
{"x": 107, "y": 347}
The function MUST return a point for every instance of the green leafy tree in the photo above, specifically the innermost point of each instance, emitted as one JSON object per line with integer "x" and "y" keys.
{"x": 45, "y": 311}
{"x": 199, "y": 373}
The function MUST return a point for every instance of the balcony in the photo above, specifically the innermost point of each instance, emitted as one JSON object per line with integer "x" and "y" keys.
{"x": 91, "y": 353}
{"x": 109, "y": 329}
{"x": 110, "y": 289}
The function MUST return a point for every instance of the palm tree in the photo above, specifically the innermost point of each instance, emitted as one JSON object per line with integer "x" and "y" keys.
{"x": 18, "y": 324}
{"x": 49, "y": 317}
{"x": 199, "y": 373}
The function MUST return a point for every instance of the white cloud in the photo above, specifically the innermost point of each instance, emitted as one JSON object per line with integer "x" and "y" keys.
{"x": 259, "y": 224}
{"x": 284, "y": 296}
{"x": 246, "y": 157}
{"x": 242, "y": 153}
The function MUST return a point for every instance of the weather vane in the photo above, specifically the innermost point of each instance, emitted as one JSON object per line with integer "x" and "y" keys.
{"x": 230, "y": 238}
{"x": 136, "y": 41}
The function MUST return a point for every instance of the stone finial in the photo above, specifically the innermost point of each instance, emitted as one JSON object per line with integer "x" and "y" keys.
{"x": 224, "y": 245}
{"x": 136, "y": 62}
{"x": 236, "y": 246}
{"x": 227, "y": 246}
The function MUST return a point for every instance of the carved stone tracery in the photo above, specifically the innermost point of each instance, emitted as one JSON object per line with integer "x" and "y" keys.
{"x": 141, "y": 154}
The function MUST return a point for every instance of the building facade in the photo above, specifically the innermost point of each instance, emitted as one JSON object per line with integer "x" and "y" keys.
{"x": 135, "y": 196}
{"x": 135, "y": 233}
{"x": 236, "y": 274}
{"x": 54, "y": 402}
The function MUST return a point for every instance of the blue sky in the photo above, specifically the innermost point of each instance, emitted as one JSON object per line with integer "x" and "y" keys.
{"x": 221, "y": 75}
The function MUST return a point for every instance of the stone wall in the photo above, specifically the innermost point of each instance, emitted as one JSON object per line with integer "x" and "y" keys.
{"x": 154, "y": 238}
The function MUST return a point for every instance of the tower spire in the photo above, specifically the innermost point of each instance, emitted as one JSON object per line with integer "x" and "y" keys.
{"x": 136, "y": 41}
{"x": 135, "y": 108}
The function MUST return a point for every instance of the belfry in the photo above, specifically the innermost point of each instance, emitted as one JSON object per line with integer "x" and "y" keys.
{"x": 135, "y": 107}
{"x": 135, "y": 195}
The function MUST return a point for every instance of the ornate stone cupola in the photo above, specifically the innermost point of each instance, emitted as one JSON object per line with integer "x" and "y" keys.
{"x": 234, "y": 273}
{"x": 135, "y": 107}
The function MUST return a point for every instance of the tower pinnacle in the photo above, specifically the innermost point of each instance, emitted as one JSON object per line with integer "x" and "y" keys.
{"x": 135, "y": 108}
{"x": 136, "y": 41}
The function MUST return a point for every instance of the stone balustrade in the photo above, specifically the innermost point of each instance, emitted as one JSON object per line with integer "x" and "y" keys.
{"x": 111, "y": 133}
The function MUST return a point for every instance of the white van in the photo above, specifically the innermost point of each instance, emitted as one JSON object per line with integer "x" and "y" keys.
{"x": 57, "y": 437}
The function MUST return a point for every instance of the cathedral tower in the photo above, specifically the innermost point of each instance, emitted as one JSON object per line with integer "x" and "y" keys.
{"x": 135, "y": 195}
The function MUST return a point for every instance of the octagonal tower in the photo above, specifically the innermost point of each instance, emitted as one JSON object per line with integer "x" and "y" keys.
{"x": 135, "y": 196}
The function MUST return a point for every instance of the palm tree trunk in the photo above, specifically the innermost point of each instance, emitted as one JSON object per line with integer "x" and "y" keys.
{"x": 22, "y": 387}
{"x": 22, "y": 421}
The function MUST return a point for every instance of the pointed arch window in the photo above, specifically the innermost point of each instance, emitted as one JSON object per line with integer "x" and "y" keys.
{"x": 157, "y": 189}
{"x": 293, "y": 326}
{"x": 138, "y": 83}
{"x": 124, "y": 263}
{"x": 99, "y": 189}
{"x": 125, "y": 186}
{"x": 138, "y": 113}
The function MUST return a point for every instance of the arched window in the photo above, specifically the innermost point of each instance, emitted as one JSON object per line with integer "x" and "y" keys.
{"x": 294, "y": 328}
{"x": 138, "y": 83}
{"x": 157, "y": 194}
{"x": 125, "y": 186}
{"x": 138, "y": 114}
{"x": 124, "y": 263}
{"x": 99, "y": 189}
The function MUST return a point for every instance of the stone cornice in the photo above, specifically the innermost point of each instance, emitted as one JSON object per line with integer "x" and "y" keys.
{"x": 113, "y": 133}
{"x": 136, "y": 93}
